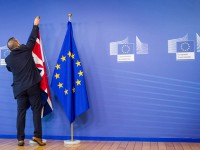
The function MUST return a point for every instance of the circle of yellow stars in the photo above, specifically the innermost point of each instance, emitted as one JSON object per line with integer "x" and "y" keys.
{"x": 185, "y": 46}
{"x": 57, "y": 75}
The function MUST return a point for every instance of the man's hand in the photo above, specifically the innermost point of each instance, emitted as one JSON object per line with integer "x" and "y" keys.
{"x": 37, "y": 20}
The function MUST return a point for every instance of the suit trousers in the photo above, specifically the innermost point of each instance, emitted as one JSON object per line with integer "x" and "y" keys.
{"x": 30, "y": 97}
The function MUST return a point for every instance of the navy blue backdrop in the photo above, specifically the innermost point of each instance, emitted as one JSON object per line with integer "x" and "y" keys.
{"x": 154, "y": 96}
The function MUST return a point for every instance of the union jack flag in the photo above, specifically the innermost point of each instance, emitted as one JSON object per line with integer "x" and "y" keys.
{"x": 40, "y": 64}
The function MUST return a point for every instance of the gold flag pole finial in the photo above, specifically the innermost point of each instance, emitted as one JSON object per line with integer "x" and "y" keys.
{"x": 69, "y": 15}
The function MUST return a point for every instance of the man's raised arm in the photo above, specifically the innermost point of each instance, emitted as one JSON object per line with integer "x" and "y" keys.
{"x": 34, "y": 33}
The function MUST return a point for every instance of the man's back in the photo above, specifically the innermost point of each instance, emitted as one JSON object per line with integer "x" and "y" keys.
{"x": 20, "y": 62}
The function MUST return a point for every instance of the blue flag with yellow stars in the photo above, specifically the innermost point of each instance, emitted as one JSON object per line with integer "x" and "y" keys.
{"x": 185, "y": 46}
{"x": 68, "y": 82}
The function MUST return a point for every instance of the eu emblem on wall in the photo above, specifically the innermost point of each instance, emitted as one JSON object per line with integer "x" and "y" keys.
{"x": 4, "y": 52}
{"x": 185, "y": 50}
{"x": 125, "y": 52}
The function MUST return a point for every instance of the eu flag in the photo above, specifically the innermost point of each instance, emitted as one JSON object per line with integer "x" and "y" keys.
{"x": 185, "y": 46}
{"x": 68, "y": 82}
{"x": 125, "y": 48}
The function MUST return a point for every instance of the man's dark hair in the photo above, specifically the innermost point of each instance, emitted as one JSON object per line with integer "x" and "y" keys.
{"x": 12, "y": 43}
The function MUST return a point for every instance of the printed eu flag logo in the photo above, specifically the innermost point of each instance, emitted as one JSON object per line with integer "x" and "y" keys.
{"x": 125, "y": 49}
{"x": 4, "y": 52}
{"x": 125, "y": 52}
{"x": 185, "y": 50}
{"x": 185, "y": 46}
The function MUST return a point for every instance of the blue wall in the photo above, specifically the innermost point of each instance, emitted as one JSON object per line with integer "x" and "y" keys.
{"x": 153, "y": 97}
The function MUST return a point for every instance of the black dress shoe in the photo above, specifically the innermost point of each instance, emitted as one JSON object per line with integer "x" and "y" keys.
{"x": 39, "y": 141}
{"x": 21, "y": 143}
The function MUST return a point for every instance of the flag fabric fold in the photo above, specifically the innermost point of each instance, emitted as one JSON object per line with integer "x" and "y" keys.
{"x": 68, "y": 82}
{"x": 40, "y": 64}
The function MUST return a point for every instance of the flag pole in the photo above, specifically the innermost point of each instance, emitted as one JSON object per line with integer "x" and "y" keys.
{"x": 70, "y": 15}
{"x": 72, "y": 141}
{"x": 72, "y": 131}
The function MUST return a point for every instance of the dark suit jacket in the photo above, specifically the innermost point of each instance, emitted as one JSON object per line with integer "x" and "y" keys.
{"x": 20, "y": 62}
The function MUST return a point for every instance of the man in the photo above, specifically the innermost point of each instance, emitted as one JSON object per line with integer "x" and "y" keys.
{"x": 26, "y": 79}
